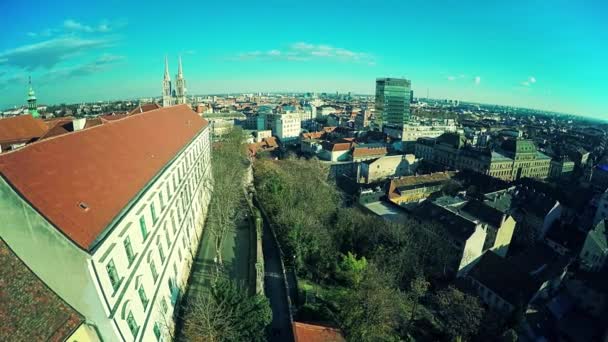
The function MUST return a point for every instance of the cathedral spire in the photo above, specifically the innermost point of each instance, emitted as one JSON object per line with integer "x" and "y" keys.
{"x": 167, "y": 95}
{"x": 167, "y": 75}
{"x": 180, "y": 73}
{"x": 180, "y": 84}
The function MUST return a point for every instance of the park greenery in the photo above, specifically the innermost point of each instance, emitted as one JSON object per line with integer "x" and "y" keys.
{"x": 226, "y": 313}
{"x": 374, "y": 279}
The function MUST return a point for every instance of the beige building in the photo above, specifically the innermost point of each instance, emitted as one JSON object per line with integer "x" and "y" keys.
{"x": 261, "y": 135}
{"x": 386, "y": 167}
{"x": 471, "y": 226}
{"x": 110, "y": 217}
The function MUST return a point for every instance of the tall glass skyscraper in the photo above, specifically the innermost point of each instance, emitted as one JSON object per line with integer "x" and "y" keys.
{"x": 393, "y": 97}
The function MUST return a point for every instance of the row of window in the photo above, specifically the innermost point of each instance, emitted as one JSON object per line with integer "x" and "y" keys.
{"x": 144, "y": 300}
{"x": 131, "y": 322}
{"x": 141, "y": 291}
{"x": 134, "y": 327}
{"x": 186, "y": 193}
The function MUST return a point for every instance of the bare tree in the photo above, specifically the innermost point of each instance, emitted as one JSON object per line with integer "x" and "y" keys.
{"x": 208, "y": 320}
{"x": 228, "y": 164}
{"x": 226, "y": 313}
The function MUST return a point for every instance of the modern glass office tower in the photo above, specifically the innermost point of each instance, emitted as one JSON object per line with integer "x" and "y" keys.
{"x": 393, "y": 102}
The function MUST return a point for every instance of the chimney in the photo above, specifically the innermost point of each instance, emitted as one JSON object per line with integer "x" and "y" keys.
{"x": 78, "y": 123}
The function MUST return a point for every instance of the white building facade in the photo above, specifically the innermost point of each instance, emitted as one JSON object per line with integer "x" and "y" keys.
{"x": 286, "y": 127}
{"x": 413, "y": 130}
{"x": 126, "y": 277}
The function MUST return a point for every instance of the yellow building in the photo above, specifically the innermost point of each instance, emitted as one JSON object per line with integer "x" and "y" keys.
{"x": 415, "y": 188}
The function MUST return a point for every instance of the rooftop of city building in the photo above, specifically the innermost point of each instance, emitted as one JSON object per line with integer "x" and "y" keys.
{"x": 82, "y": 181}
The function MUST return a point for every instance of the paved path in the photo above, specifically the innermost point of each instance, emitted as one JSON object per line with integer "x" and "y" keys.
{"x": 235, "y": 254}
{"x": 274, "y": 287}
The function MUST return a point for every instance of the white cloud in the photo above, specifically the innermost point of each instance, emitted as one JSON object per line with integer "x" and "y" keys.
{"x": 302, "y": 46}
{"x": 47, "y": 54}
{"x": 73, "y": 25}
{"x": 102, "y": 63}
{"x": 477, "y": 80}
{"x": 529, "y": 82}
{"x": 456, "y": 77}
{"x": 302, "y": 51}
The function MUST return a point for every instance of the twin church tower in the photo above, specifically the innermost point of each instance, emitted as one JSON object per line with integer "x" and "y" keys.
{"x": 177, "y": 95}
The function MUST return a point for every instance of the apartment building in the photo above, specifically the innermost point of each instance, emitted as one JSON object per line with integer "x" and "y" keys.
{"x": 471, "y": 226}
{"x": 286, "y": 127}
{"x": 110, "y": 217}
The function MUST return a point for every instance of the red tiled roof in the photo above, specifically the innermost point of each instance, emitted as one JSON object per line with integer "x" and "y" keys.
{"x": 369, "y": 151}
{"x": 104, "y": 167}
{"x": 21, "y": 128}
{"x": 58, "y": 127}
{"x": 316, "y": 333}
{"x": 267, "y": 144}
{"x": 145, "y": 108}
{"x": 50, "y": 123}
{"x": 334, "y": 147}
{"x": 313, "y": 135}
{"x": 271, "y": 142}
{"x": 29, "y": 310}
{"x": 111, "y": 117}
{"x": 92, "y": 122}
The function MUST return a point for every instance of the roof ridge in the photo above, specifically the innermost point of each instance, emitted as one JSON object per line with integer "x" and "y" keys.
{"x": 39, "y": 141}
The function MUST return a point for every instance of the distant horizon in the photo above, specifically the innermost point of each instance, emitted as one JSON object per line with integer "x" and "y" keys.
{"x": 24, "y": 102}
{"x": 546, "y": 56}
{"x": 304, "y": 92}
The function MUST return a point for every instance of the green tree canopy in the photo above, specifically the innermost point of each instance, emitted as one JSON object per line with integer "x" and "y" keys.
{"x": 458, "y": 314}
{"x": 351, "y": 269}
{"x": 372, "y": 312}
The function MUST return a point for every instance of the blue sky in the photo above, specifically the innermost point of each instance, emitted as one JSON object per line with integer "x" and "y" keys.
{"x": 540, "y": 54}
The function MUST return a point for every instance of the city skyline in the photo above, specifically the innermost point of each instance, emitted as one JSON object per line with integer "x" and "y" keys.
{"x": 487, "y": 53}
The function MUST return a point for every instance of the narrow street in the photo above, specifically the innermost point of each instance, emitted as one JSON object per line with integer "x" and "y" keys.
{"x": 274, "y": 288}
{"x": 235, "y": 255}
